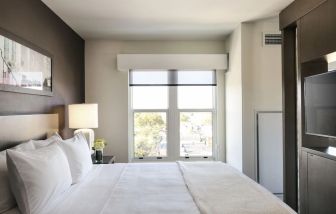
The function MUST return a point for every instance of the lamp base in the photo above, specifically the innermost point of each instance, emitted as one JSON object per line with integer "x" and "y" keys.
{"x": 89, "y": 135}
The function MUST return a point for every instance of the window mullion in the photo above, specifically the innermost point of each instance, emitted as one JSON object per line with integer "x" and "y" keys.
{"x": 173, "y": 125}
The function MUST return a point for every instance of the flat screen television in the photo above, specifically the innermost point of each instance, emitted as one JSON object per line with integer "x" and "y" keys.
{"x": 320, "y": 104}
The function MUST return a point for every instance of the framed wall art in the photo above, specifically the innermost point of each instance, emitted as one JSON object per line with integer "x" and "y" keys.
{"x": 24, "y": 68}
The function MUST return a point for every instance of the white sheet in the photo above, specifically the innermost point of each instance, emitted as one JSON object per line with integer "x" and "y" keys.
{"x": 219, "y": 189}
{"x": 128, "y": 188}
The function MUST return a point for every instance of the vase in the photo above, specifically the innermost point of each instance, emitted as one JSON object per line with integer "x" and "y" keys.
{"x": 99, "y": 156}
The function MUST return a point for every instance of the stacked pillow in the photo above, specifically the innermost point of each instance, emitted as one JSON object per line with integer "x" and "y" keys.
{"x": 7, "y": 200}
{"x": 79, "y": 156}
{"x": 38, "y": 176}
{"x": 41, "y": 171}
{"x": 42, "y": 143}
{"x": 25, "y": 146}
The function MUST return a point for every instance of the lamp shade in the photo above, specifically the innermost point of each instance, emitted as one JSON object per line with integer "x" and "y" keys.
{"x": 83, "y": 116}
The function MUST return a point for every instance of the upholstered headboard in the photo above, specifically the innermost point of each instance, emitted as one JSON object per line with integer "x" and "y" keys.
{"x": 16, "y": 129}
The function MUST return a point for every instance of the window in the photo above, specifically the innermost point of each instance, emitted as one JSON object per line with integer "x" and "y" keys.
{"x": 195, "y": 97}
{"x": 155, "y": 97}
{"x": 196, "y": 134}
{"x": 150, "y": 134}
{"x": 172, "y": 114}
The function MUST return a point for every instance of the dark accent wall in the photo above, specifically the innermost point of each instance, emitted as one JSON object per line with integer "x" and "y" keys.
{"x": 33, "y": 21}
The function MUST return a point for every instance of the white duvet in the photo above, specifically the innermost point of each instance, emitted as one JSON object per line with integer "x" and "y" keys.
{"x": 159, "y": 188}
{"x": 129, "y": 188}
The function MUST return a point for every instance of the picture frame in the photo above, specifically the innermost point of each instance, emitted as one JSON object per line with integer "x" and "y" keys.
{"x": 24, "y": 67}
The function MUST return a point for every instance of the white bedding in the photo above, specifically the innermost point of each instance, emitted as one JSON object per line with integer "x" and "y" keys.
{"x": 217, "y": 188}
{"x": 153, "y": 188}
{"x": 128, "y": 188}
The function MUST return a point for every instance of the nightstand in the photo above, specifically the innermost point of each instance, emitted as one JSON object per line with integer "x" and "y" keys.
{"x": 106, "y": 159}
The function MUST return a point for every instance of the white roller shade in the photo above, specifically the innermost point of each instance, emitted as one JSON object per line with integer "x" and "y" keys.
{"x": 172, "y": 78}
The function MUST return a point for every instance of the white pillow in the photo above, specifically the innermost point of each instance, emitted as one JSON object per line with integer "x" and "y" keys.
{"x": 42, "y": 143}
{"x": 7, "y": 200}
{"x": 24, "y": 146}
{"x": 38, "y": 177}
{"x": 79, "y": 156}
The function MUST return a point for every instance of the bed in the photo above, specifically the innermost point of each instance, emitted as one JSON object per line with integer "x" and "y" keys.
{"x": 176, "y": 187}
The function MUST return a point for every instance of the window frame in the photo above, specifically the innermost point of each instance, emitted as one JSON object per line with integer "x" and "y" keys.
{"x": 172, "y": 128}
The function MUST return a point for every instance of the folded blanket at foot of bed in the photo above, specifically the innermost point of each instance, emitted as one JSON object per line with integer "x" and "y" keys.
{"x": 218, "y": 188}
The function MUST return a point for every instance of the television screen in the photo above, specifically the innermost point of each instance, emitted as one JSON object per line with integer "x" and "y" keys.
{"x": 320, "y": 104}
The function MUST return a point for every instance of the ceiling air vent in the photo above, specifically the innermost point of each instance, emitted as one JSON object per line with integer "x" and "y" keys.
{"x": 272, "y": 39}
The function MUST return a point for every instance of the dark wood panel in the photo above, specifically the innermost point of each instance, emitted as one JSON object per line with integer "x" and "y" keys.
{"x": 318, "y": 32}
{"x": 296, "y": 10}
{"x": 332, "y": 26}
{"x": 321, "y": 151}
{"x": 321, "y": 185}
{"x": 34, "y": 22}
{"x": 308, "y": 69}
{"x": 289, "y": 116}
{"x": 303, "y": 182}
{"x": 314, "y": 34}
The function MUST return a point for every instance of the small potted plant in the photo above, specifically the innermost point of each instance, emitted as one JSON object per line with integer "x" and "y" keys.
{"x": 99, "y": 146}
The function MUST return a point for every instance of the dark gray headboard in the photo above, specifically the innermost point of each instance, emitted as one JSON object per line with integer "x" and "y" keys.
{"x": 16, "y": 129}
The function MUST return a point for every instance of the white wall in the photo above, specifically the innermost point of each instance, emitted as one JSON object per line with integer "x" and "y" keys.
{"x": 252, "y": 83}
{"x": 262, "y": 83}
{"x": 233, "y": 101}
{"x": 254, "y": 78}
{"x": 109, "y": 88}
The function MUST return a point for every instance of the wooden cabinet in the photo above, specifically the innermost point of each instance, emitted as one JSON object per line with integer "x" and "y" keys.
{"x": 318, "y": 187}
{"x": 321, "y": 185}
{"x": 332, "y": 25}
{"x": 318, "y": 31}
{"x": 296, "y": 10}
{"x": 314, "y": 29}
{"x": 315, "y": 22}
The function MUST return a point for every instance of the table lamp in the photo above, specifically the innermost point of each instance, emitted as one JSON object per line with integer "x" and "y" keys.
{"x": 84, "y": 117}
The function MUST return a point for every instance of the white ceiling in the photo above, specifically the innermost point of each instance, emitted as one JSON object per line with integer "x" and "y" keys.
{"x": 161, "y": 19}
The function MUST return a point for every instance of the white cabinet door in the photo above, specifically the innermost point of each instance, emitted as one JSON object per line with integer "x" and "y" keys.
{"x": 270, "y": 151}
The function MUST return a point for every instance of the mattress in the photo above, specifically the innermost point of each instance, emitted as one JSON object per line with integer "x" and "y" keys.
{"x": 151, "y": 188}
